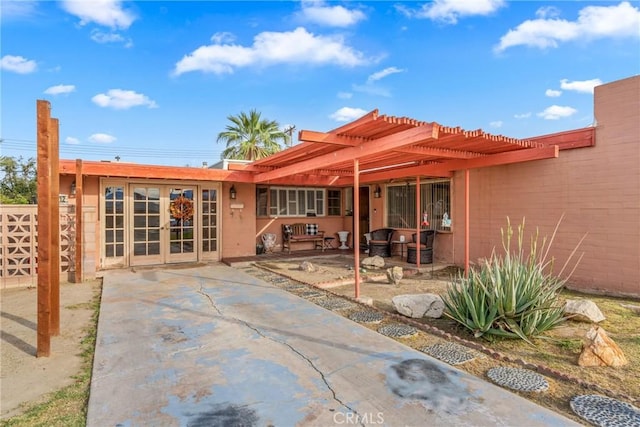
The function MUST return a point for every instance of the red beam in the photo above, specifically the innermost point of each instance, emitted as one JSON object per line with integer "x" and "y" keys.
{"x": 329, "y": 138}
{"x": 387, "y": 143}
{"x": 132, "y": 170}
{"x": 578, "y": 138}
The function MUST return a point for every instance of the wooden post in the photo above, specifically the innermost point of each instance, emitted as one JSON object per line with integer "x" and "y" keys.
{"x": 77, "y": 277}
{"x": 44, "y": 230}
{"x": 356, "y": 224}
{"x": 55, "y": 226}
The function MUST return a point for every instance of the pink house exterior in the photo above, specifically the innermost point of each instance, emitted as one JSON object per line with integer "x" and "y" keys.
{"x": 593, "y": 184}
{"x": 597, "y": 189}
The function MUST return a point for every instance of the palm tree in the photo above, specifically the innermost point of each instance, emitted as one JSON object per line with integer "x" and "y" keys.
{"x": 249, "y": 137}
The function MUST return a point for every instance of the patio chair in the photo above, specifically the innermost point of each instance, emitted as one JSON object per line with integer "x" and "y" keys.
{"x": 426, "y": 247}
{"x": 380, "y": 243}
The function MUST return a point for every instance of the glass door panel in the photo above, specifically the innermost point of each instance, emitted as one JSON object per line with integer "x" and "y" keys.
{"x": 114, "y": 228}
{"x": 209, "y": 215}
{"x": 146, "y": 235}
{"x": 182, "y": 218}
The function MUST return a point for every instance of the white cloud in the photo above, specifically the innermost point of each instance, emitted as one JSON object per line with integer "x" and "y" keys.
{"x": 71, "y": 140}
{"x": 556, "y": 112}
{"x": 102, "y": 37}
{"x": 269, "y": 48}
{"x": 449, "y": 11}
{"x": 548, "y": 12}
{"x": 102, "y": 138}
{"x": 384, "y": 73}
{"x": 60, "y": 89}
{"x": 584, "y": 86}
{"x": 18, "y": 9}
{"x": 622, "y": 20}
{"x": 18, "y": 64}
{"x": 346, "y": 114}
{"x": 496, "y": 124}
{"x": 372, "y": 90}
{"x": 335, "y": 16}
{"x": 345, "y": 95}
{"x": 122, "y": 99}
{"x": 522, "y": 116}
{"x": 552, "y": 93}
{"x": 108, "y": 13}
{"x": 223, "y": 37}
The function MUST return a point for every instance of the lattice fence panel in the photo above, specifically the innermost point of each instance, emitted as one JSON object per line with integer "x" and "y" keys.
{"x": 19, "y": 243}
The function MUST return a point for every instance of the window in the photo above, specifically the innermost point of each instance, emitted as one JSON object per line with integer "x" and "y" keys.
{"x": 296, "y": 201}
{"x": 209, "y": 213}
{"x": 435, "y": 201}
{"x": 333, "y": 202}
{"x": 262, "y": 208}
{"x": 114, "y": 221}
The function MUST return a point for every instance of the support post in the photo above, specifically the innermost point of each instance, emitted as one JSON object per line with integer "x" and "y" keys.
{"x": 54, "y": 215}
{"x": 44, "y": 229}
{"x": 356, "y": 224}
{"x": 418, "y": 222}
{"x": 77, "y": 277}
{"x": 466, "y": 223}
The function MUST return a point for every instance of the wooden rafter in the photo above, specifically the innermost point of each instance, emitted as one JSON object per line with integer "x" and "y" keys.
{"x": 380, "y": 145}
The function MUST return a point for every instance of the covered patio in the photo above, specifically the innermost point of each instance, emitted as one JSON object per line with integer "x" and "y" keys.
{"x": 378, "y": 149}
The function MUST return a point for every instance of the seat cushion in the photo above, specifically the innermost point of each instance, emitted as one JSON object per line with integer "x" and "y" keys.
{"x": 312, "y": 229}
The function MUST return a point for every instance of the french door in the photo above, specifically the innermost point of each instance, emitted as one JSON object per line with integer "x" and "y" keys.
{"x": 164, "y": 224}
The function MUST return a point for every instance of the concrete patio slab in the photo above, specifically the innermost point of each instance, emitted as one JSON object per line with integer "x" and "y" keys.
{"x": 213, "y": 346}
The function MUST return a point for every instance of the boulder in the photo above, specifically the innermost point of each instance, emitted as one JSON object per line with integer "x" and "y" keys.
{"x": 600, "y": 350}
{"x": 419, "y": 305}
{"x": 583, "y": 310}
{"x": 632, "y": 307}
{"x": 394, "y": 274}
{"x": 308, "y": 267}
{"x": 373, "y": 261}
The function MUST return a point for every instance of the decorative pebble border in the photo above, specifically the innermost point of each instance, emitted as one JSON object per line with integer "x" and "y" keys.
{"x": 450, "y": 352}
{"x": 311, "y": 294}
{"x": 294, "y": 286}
{"x": 397, "y": 330}
{"x": 550, "y": 372}
{"x": 367, "y": 316}
{"x": 605, "y": 411}
{"x": 334, "y": 303}
{"x": 518, "y": 379}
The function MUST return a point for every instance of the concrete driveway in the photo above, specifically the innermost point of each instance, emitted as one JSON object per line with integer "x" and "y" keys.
{"x": 213, "y": 346}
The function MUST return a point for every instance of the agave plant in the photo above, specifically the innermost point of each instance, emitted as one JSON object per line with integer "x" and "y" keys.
{"x": 514, "y": 295}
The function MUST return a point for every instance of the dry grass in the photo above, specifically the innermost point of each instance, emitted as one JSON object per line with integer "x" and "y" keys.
{"x": 66, "y": 407}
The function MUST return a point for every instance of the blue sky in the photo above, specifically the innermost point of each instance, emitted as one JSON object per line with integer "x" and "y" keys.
{"x": 154, "y": 82}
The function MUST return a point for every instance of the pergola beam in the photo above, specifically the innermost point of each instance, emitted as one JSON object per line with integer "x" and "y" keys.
{"x": 373, "y": 147}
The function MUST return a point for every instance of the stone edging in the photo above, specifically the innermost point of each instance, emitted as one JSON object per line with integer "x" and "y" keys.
{"x": 545, "y": 370}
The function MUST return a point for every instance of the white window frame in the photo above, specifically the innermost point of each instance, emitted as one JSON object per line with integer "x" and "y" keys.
{"x": 297, "y": 201}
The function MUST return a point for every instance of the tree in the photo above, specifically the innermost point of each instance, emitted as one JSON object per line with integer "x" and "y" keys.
{"x": 18, "y": 185}
{"x": 249, "y": 137}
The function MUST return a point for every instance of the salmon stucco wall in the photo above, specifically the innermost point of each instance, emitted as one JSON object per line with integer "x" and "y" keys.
{"x": 596, "y": 189}
{"x": 238, "y": 220}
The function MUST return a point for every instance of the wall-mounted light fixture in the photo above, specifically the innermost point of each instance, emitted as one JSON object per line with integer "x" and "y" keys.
{"x": 232, "y": 192}
{"x": 378, "y": 192}
{"x": 72, "y": 189}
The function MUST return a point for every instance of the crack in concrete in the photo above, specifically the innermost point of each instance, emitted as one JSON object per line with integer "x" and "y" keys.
{"x": 286, "y": 344}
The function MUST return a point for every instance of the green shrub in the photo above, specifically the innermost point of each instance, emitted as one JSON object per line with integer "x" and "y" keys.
{"x": 514, "y": 295}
